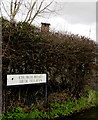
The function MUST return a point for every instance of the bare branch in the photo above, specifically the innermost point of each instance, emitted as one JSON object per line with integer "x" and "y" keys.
{"x": 46, "y": 7}
{"x": 34, "y": 9}
{"x": 15, "y": 5}
{"x": 30, "y": 12}
{"x": 11, "y": 7}
{"x": 39, "y": 11}
{"x": 16, "y": 9}
{"x": 5, "y": 9}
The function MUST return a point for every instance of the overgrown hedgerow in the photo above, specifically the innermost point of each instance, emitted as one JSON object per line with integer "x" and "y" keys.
{"x": 67, "y": 59}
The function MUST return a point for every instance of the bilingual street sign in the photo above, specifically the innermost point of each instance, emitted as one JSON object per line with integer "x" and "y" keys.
{"x": 22, "y": 79}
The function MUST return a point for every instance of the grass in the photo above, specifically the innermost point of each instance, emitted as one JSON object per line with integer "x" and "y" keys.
{"x": 68, "y": 107}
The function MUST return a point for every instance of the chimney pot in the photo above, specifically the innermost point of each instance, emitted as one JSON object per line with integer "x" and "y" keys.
{"x": 45, "y": 27}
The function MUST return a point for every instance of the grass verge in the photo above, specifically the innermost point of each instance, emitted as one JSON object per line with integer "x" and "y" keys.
{"x": 55, "y": 110}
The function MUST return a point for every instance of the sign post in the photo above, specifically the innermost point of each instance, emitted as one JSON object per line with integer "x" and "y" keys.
{"x": 24, "y": 79}
{"x": 46, "y": 92}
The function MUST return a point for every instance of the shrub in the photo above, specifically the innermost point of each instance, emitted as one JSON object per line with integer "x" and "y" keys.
{"x": 67, "y": 59}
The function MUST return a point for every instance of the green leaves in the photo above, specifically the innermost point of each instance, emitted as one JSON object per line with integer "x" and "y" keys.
{"x": 66, "y": 108}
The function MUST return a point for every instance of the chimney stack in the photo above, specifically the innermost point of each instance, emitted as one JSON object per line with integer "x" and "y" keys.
{"x": 45, "y": 27}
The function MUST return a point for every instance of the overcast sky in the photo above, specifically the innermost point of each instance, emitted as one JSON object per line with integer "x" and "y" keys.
{"x": 73, "y": 16}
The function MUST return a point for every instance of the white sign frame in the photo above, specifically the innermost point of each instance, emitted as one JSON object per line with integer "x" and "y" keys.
{"x": 24, "y": 79}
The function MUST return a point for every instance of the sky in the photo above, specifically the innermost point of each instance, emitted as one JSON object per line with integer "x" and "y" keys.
{"x": 72, "y": 16}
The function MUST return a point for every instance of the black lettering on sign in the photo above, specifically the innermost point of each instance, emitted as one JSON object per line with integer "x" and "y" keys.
{"x": 20, "y": 81}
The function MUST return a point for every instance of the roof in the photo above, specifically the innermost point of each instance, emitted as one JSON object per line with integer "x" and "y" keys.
{"x": 45, "y": 23}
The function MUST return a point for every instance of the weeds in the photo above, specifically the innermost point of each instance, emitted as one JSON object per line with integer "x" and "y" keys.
{"x": 66, "y": 108}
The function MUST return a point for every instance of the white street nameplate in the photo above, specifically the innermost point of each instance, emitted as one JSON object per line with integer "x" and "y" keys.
{"x": 22, "y": 79}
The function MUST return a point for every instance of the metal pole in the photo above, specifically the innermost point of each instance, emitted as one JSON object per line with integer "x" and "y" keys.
{"x": 46, "y": 91}
{"x": 5, "y": 109}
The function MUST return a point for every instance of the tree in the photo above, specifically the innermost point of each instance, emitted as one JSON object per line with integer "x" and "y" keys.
{"x": 32, "y": 9}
